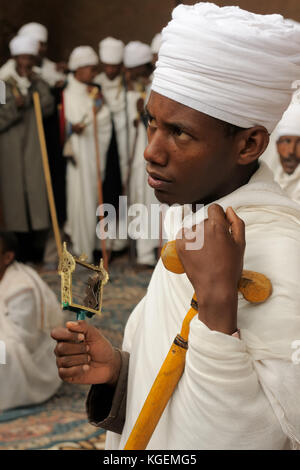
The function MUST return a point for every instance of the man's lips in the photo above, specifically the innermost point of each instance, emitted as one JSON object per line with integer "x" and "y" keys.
{"x": 157, "y": 181}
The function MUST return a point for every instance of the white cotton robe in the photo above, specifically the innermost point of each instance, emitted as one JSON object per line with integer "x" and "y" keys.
{"x": 28, "y": 312}
{"x": 115, "y": 98}
{"x": 82, "y": 189}
{"x": 234, "y": 394}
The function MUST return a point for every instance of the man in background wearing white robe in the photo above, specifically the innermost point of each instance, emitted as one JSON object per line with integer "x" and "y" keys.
{"x": 112, "y": 83}
{"x": 82, "y": 183}
{"x": 209, "y": 122}
{"x": 28, "y": 311}
{"x": 53, "y": 73}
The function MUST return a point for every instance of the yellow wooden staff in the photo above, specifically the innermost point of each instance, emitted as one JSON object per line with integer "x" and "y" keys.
{"x": 255, "y": 288}
{"x": 41, "y": 133}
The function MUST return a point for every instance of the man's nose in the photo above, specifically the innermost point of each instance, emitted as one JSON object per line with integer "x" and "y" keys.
{"x": 156, "y": 152}
{"x": 292, "y": 149}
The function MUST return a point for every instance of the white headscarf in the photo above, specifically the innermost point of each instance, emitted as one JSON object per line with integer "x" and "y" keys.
{"x": 290, "y": 122}
{"x": 137, "y": 53}
{"x": 23, "y": 45}
{"x": 111, "y": 51}
{"x": 156, "y": 43}
{"x": 34, "y": 30}
{"x": 228, "y": 63}
{"x": 81, "y": 57}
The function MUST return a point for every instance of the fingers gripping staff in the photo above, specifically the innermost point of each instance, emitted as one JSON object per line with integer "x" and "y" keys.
{"x": 224, "y": 238}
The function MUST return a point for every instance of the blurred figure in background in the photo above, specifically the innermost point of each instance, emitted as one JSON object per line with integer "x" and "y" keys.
{"x": 28, "y": 312}
{"x": 53, "y": 73}
{"x": 288, "y": 147}
{"x": 137, "y": 60}
{"x": 81, "y": 97}
{"x": 112, "y": 83}
{"x": 22, "y": 184}
{"x": 155, "y": 46}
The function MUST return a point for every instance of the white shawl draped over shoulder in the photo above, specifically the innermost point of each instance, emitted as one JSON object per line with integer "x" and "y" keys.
{"x": 234, "y": 394}
{"x": 82, "y": 194}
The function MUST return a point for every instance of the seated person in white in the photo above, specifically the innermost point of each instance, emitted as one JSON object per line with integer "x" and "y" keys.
{"x": 28, "y": 311}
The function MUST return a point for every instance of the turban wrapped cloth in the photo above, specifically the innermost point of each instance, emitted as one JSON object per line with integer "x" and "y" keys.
{"x": 290, "y": 122}
{"x": 23, "y": 45}
{"x": 229, "y": 63}
{"x": 156, "y": 43}
{"x": 137, "y": 53}
{"x": 34, "y": 30}
{"x": 82, "y": 56}
{"x": 111, "y": 51}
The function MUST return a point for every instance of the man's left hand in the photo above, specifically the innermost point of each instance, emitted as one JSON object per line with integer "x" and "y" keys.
{"x": 215, "y": 270}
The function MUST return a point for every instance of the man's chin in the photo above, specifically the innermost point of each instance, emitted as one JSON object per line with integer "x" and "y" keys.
{"x": 169, "y": 199}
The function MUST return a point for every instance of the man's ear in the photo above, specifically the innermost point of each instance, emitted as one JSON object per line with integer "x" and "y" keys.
{"x": 251, "y": 144}
{"x": 8, "y": 257}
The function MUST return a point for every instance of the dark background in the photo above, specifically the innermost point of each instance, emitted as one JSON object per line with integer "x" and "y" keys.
{"x": 80, "y": 22}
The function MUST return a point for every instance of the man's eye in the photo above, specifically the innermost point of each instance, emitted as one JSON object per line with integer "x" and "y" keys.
{"x": 181, "y": 134}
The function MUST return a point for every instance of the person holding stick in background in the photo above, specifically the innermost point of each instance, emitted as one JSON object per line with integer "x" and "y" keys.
{"x": 22, "y": 182}
{"x": 84, "y": 130}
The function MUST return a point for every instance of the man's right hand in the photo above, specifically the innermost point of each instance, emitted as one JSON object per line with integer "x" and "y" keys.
{"x": 84, "y": 356}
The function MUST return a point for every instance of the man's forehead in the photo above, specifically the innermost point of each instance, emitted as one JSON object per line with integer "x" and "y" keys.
{"x": 168, "y": 108}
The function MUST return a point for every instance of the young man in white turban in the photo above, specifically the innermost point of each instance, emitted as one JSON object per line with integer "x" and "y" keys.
{"x": 28, "y": 312}
{"x": 209, "y": 122}
{"x": 81, "y": 98}
{"x": 22, "y": 182}
{"x": 287, "y": 132}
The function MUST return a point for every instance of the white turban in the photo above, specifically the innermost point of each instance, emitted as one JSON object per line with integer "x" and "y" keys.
{"x": 290, "y": 122}
{"x": 228, "y": 63}
{"x": 137, "y": 53}
{"x": 111, "y": 51}
{"x": 81, "y": 57}
{"x": 156, "y": 43}
{"x": 35, "y": 30}
{"x": 24, "y": 45}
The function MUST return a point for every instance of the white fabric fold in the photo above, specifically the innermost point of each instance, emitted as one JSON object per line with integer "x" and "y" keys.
{"x": 208, "y": 55}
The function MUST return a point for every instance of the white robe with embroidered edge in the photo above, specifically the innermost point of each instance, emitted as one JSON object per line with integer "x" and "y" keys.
{"x": 82, "y": 189}
{"x": 234, "y": 394}
{"x": 28, "y": 312}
